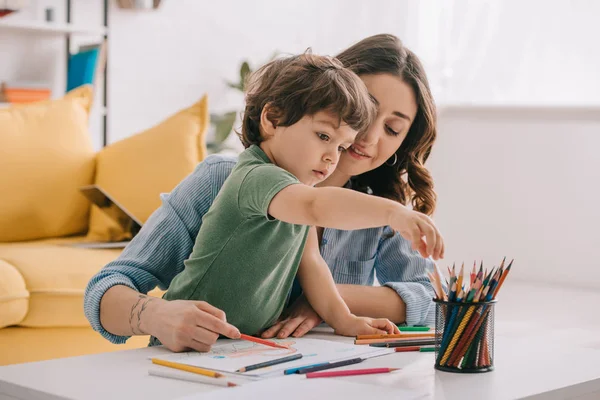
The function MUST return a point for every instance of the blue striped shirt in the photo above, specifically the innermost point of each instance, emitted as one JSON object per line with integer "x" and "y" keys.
{"x": 158, "y": 251}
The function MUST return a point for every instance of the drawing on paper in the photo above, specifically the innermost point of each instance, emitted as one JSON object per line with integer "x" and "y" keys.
{"x": 245, "y": 349}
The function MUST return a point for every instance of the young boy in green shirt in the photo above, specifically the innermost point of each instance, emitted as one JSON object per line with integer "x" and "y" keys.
{"x": 301, "y": 113}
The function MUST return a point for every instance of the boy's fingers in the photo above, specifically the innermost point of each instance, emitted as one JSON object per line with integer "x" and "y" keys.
{"x": 422, "y": 248}
{"x": 304, "y": 327}
{"x": 429, "y": 233}
{"x": 272, "y": 331}
{"x": 289, "y": 327}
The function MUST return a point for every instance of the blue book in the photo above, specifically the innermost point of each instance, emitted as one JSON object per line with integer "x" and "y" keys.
{"x": 83, "y": 67}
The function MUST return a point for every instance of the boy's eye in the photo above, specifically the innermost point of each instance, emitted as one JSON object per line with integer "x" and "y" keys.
{"x": 391, "y": 131}
{"x": 323, "y": 136}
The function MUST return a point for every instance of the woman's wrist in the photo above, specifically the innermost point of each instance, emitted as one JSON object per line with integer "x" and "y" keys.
{"x": 145, "y": 315}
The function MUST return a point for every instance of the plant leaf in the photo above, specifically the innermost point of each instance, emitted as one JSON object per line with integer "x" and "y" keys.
{"x": 244, "y": 71}
{"x": 224, "y": 125}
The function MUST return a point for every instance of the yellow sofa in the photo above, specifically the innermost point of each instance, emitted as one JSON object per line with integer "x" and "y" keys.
{"x": 45, "y": 156}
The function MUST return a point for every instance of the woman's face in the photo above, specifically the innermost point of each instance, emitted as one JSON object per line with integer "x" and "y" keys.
{"x": 397, "y": 108}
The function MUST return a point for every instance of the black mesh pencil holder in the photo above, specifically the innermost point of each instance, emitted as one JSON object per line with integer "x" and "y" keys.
{"x": 464, "y": 336}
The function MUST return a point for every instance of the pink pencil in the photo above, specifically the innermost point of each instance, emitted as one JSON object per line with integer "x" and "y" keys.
{"x": 350, "y": 372}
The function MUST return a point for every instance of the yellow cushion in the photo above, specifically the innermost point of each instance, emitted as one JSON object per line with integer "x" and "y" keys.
{"x": 55, "y": 277}
{"x": 13, "y": 295}
{"x": 45, "y": 155}
{"x": 136, "y": 170}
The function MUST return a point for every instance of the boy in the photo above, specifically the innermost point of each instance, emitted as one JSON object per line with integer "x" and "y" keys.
{"x": 301, "y": 113}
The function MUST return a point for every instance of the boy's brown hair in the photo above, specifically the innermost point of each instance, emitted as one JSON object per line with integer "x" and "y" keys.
{"x": 304, "y": 85}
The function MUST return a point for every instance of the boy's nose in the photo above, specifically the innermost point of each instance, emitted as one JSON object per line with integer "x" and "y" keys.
{"x": 330, "y": 158}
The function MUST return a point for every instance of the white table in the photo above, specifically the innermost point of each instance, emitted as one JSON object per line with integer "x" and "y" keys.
{"x": 547, "y": 347}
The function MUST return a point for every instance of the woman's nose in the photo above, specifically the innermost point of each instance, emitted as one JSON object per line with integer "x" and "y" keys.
{"x": 369, "y": 137}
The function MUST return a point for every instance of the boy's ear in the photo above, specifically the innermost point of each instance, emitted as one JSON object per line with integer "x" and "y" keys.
{"x": 268, "y": 120}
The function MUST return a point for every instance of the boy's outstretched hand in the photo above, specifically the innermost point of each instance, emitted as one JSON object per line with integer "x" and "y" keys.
{"x": 414, "y": 226}
{"x": 366, "y": 326}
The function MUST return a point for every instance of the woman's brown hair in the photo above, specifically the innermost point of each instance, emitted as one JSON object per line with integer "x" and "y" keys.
{"x": 407, "y": 180}
{"x": 295, "y": 86}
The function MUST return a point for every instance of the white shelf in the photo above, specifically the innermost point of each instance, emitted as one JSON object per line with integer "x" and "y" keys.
{"x": 52, "y": 28}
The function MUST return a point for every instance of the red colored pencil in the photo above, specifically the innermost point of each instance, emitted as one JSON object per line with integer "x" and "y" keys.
{"x": 263, "y": 341}
{"x": 350, "y": 372}
{"x": 414, "y": 348}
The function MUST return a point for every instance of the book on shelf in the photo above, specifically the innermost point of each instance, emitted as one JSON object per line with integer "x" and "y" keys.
{"x": 10, "y": 6}
{"x": 24, "y": 92}
{"x": 86, "y": 65}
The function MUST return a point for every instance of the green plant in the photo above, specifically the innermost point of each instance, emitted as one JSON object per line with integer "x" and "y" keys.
{"x": 223, "y": 123}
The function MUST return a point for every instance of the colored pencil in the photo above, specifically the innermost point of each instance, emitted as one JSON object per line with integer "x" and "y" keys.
{"x": 270, "y": 363}
{"x": 185, "y": 367}
{"x": 414, "y": 348}
{"x": 330, "y": 365}
{"x": 414, "y": 328}
{"x": 296, "y": 369}
{"x": 393, "y": 340}
{"x": 186, "y": 376}
{"x": 502, "y": 280}
{"x": 269, "y": 343}
{"x": 396, "y": 335}
{"x": 405, "y": 343}
{"x": 350, "y": 372}
{"x": 438, "y": 277}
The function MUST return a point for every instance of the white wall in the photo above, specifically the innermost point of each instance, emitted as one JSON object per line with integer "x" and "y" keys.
{"x": 516, "y": 52}
{"x": 523, "y": 184}
{"x": 165, "y": 59}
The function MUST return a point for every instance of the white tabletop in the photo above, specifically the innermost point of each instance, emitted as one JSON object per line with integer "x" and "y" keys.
{"x": 547, "y": 345}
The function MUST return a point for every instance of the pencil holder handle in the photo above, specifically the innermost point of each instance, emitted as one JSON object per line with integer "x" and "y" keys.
{"x": 464, "y": 336}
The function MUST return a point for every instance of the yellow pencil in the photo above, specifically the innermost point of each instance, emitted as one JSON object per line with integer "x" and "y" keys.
{"x": 187, "y": 368}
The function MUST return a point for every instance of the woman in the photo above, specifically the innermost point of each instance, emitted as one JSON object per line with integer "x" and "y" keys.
{"x": 387, "y": 161}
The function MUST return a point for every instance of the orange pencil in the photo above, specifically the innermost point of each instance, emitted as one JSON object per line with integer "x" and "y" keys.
{"x": 397, "y": 335}
{"x": 502, "y": 278}
{"x": 263, "y": 341}
{"x": 438, "y": 278}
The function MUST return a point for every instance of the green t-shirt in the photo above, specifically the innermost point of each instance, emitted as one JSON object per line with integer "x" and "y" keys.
{"x": 244, "y": 261}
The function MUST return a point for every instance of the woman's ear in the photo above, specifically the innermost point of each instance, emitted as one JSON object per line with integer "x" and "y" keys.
{"x": 268, "y": 121}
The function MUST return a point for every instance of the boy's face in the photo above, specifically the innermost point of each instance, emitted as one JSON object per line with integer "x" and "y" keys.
{"x": 310, "y": 149}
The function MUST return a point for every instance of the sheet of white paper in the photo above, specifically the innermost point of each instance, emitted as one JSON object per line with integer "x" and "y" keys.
{"x": 231, "y": 355}
{"x": 302, "y": 389}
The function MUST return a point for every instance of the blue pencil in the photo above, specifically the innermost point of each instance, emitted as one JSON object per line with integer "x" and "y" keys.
{"x": 294, "y": 370}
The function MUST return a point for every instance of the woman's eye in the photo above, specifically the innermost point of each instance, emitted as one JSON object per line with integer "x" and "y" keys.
{"x": 342, "y": 149}
{"x": 323, "y": 136}
{"x": 391, "y": 131}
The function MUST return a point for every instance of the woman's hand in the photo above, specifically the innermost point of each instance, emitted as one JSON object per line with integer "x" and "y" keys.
{"x": 300, "y": 319}
{"x": 182, "y": 325}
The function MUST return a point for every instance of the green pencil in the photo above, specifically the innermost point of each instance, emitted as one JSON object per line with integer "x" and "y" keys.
{"x": 414, "y": 328}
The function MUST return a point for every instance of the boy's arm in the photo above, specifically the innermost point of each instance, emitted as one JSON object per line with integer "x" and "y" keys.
{"x": 318, "y": 285}
{"x": 347, "y": 209}
{"x": 320, "y": 290}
